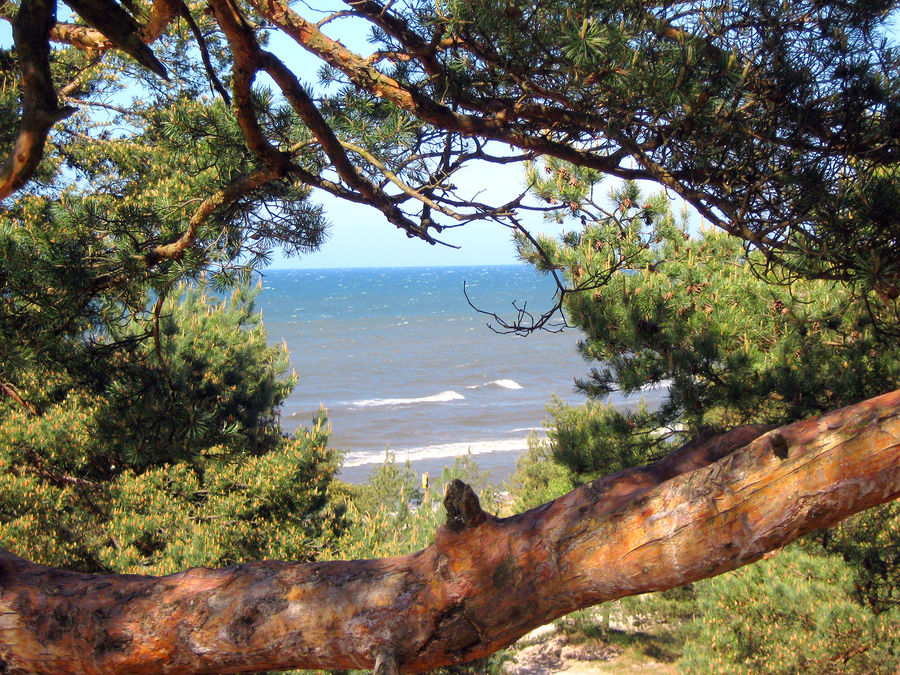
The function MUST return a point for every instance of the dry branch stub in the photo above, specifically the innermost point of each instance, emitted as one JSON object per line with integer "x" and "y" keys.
{"x": 386, "y": 663}
{"x": 462, "y": 507}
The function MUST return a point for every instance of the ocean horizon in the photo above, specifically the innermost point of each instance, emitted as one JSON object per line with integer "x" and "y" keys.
{"x": 403, "y": 364}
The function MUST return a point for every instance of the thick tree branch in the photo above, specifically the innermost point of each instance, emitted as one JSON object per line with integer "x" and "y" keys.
{"x": 86, "y": 38}
{"x": 304, "y": 106}
{"x": 249, "y": 59}
{"x": 367, "y": 77}
{"x": 120, "y": 28}
{"x": 710, "y": 507}
{"x": 40, "y": 109}
{"x": 162, "y": 14}
{"x": 93, "y": 41}
{"x": 33, "y": 28}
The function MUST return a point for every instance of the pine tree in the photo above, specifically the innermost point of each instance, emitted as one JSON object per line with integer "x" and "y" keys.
{"x": 165, "y": 452}
{"x": 162, "y": 143}
{"x": 730, "y": 345}
{"x": 140, "y": 426}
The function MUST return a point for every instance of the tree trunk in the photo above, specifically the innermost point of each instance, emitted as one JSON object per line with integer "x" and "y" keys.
{"x": 710, "y": 507}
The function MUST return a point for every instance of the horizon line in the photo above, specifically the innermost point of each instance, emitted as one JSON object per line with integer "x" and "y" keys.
{"x": 389, "y": 267}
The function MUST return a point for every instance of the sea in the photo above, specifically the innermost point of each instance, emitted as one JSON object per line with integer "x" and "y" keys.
{"x": 403, "y": 364}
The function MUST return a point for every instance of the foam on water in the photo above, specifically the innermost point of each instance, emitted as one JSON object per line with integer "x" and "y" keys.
{"x": 506, "y": 384}
{"x": 662, "y": 385}
{"x": 443, "y": 397}
{"x": 438, "y": 451}
{"x": 502, "y": 384}
{"x": 399, "y": 359}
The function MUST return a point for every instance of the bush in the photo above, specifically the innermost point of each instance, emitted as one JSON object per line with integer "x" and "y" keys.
{"x": 538, "y": 478}
{"x": 795, "y": 612}
{"x": 869, "y": 543}
{"x": 392, "y": 515}
{"x": 732, "y": 343}
{"x": 168, "y": 453}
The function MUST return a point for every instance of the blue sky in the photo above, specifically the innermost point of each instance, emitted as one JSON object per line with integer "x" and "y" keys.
{"x": 360, "y": 236}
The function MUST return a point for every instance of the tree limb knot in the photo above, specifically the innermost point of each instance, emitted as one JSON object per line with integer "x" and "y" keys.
{"x": 462, "y": 506}
{"x": 779, "y": 445}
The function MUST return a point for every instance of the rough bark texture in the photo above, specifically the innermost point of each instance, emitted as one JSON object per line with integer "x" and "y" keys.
{"x": 708, "y": 508}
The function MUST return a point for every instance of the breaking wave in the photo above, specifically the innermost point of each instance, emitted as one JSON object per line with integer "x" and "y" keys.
{"x": 502, "y": 384}
{"x": 439, "y": 451}
{"x": 443, "y": 397}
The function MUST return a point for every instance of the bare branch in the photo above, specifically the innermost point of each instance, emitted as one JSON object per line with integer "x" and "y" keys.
{"x": 204, "y": 51}
{"x": 525, "y": 322}
{"x": 10, "y": 390}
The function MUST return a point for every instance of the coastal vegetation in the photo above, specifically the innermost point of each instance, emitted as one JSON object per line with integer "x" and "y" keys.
{"x": 159, "y": 152}
{"x": 732, "y": 346}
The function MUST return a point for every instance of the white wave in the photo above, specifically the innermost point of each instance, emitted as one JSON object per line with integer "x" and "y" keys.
{"x": 443, "y": 450}
{"x": 506, "y": 384}
{"x": 443, "y": 397}
{"x": 503, "y": 384}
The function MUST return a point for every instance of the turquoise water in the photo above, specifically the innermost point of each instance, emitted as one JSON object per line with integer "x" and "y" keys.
{"x": 402, "y": 362}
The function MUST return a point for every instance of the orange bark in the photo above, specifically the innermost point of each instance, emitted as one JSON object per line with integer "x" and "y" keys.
{"x": 708, "y": 508}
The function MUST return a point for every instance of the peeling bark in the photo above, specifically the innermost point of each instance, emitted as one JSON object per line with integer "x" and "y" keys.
{"x": 712, "y": 506}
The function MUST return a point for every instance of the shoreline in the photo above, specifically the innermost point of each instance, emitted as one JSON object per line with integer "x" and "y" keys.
{"x": 498, "y": 465}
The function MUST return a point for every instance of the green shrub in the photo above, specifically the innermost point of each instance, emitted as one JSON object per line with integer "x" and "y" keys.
{"x": 731, "y": 343}
{"x": 538, "y": 478}
{"x": 167, "y": 454}
{"x": 793, "y": 613}
{"x": 869, "y": 543}
{"x": 391, "y": 514}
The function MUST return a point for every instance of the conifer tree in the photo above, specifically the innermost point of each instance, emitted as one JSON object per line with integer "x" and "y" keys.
{"x": 700, "y": 316}
{"x": 140, "y": 429}
{"x": 728, "y": 345}
{"x": 163, "y": 452}
{"x": 163, "y": 141}
{"x": 778, "y": 123}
